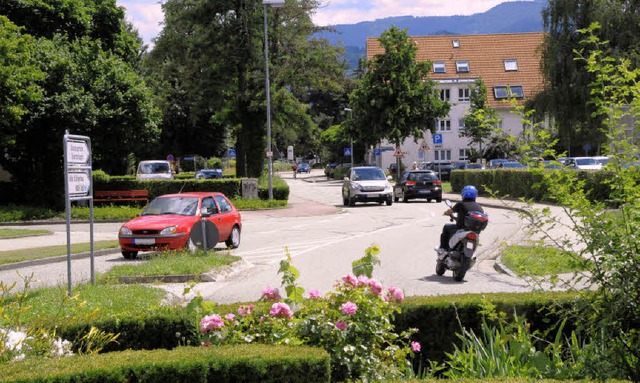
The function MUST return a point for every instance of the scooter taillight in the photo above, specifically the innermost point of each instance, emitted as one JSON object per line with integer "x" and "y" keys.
{"x": 472, "y": 236}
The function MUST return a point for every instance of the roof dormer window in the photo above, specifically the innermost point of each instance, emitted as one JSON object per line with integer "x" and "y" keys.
{"x": 510, "y": 65}
{"x": 456, "y": 43}
{"x": 462, "y": 66}
{"x": 439, "y": 67}
{"x": 511, "y": 91}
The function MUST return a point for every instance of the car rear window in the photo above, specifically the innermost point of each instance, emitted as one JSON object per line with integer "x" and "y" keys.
{"x": 422, "y": 177}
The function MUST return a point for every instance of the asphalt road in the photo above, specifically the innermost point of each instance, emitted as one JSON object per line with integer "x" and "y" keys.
{"x": 323, "y": 238}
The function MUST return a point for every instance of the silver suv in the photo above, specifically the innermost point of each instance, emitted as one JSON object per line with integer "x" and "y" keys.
{"x": 366, "y": 184}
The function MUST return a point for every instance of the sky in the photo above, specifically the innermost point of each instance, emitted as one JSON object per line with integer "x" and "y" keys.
{"x": 146, "y": 15}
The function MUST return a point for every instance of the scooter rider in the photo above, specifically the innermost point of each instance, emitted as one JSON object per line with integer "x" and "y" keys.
{"x": 461, "y": 209}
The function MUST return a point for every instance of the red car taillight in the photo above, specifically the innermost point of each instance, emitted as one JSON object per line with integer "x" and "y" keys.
{"x": 472, "y": 236}
{"x": 411, "y": 183}
{"x": 437, "y": 182}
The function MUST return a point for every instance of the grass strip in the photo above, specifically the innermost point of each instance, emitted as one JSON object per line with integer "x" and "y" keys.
{"x": 13, "y": 256}
{"x": 541, "y": 261}
{"x": 20, "y": 233}
{"x": 171, "y": 263}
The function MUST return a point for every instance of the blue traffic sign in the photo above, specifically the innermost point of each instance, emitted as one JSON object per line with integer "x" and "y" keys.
{"x": 232, "y": 153}
{"x": 437, "y": 138}
{"x": 347, "y": 152}
{"x": 376, "y": 152}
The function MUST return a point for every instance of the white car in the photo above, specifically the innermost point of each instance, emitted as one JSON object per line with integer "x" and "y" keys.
{"x": 584, "y": 163}
{"x": 366, "y": 184}
{"x": 154, "y": 170}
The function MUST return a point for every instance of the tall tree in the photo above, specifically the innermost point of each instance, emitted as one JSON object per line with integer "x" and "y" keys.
{"x": 481, "y": 119}
{"x": 394, "y": 98}
{"x": 567, "y": 93}
{"x": 212, "y": 57}
{"x": 83, "y": 85}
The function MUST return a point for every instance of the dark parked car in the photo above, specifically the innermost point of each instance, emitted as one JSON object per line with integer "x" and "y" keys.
{"x": 415, "y": 184}
{"x": 511, "y": 165}
{"x": 442, "y": 169}
{"x": 495, "y": 163}
{"x": 209, "y": 173}
{"x": 303, "y": 167}
{"x": 473, "y": 166}
{"x": 393, "y": 167}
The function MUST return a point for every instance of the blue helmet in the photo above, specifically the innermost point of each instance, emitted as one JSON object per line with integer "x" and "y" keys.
{"x": 469, "y": 192}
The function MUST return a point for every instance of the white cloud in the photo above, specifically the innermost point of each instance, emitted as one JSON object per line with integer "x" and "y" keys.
{"x": 145, "y": 15}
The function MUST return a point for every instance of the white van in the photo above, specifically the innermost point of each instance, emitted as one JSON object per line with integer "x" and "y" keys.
{"x": 154, "y": 170}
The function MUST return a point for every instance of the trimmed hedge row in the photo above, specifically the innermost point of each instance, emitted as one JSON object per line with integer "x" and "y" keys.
{"x": 231, "y": 187}
{"x": 438, "y": 319}
{"x": 515, "y": 183}
{"x": 241, "y": 363}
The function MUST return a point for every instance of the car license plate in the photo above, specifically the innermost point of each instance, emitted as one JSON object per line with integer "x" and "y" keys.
{"x": 144, "y": 241}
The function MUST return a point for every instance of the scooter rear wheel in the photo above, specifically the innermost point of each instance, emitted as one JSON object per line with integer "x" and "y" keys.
{"x": 458, "y": 275}
{"x": 440, "y": 268}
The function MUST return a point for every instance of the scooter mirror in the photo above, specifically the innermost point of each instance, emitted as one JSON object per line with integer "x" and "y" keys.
{"x": 448, "y": 203}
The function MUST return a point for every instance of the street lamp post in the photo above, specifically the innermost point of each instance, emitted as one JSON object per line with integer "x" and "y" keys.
{"x": 273, "y": 3}
{"x": 350, "y": 134}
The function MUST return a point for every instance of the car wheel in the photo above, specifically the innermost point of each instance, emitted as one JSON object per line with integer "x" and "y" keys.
{"x": 234, "y": 238}
{"x": 396, "y": 199}
{"x": 428, "y": 200}
{"x": 129, "y": 254}
{"x": 389, "y": 201}
{"x": 438, "y": 200}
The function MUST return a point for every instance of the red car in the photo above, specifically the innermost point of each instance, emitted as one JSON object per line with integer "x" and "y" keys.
{"x": 167, "y": 223}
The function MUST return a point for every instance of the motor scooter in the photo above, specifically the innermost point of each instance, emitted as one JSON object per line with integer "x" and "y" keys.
{"x": 462, "y": 245}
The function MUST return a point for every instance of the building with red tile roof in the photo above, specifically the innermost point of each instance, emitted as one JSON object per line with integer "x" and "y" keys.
{"x": 509, "y": 65}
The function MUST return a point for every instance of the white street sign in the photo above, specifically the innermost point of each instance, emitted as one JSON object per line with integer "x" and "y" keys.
{"x": 79, "y": 183}
{"x": 77, "y": 152}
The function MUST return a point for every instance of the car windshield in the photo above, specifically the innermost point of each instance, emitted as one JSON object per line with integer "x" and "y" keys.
{"x": 172, "y": 205}
{"x": 154, "y": 168}
{"x": 368, "y": 174}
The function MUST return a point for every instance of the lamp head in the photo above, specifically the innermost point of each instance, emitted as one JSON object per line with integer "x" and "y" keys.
{"x": 273, "y": 3}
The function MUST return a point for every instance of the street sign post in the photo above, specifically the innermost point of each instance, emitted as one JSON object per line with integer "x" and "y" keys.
{"x": 78, "y": 186}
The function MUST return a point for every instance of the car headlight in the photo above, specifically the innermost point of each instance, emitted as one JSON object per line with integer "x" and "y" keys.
{"x": 355, "y": 186}
{"x": 168, "y": 230}
{"x": 125, "y": 231}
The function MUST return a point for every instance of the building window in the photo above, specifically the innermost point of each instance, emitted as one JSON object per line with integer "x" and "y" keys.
{"x": 442, "y": 155}
{"x": 443, "y": 125}
{"x": 463, "y": 94}
{"x": 439, "y": 67}
{"x": 461, "y": 125}
{"x": 510, "y": 65}
{"x": 445, "y": 94}
{"x": 462, "y": 66}
{"x": 511, "y": 91}
{"x": 464, "y": 155}
{"x": 499, "y": 125}
{"x": 456, "y": 43}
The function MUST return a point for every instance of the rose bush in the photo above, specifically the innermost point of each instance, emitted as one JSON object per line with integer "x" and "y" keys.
{"x": 353, "y": 323}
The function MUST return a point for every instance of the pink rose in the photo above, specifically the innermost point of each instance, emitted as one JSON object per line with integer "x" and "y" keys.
{"x": 245, "y": 310}
{"x": 363, "y": 280}
{"x": 230, "y": 316}
{"x": 415, "y": 347}
{"x": 341, "y": 325}
{"x": 211, "y": 322}
{"x": 349, "y": 308}
{"x": 281, "y": 309}
{"x": 271, "y": 294}
{"x": 350, "y": 280}
{"x": 375, "y": 287}
{"x": 314, "y": 294}
{"x": 395, "y": 294}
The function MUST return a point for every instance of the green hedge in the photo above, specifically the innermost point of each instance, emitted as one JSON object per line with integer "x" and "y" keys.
{"x": 231, "y": 187}
{"x": 438, "y": 318}
{"x": 242, "y": 363}
{"x": 513, "y": 183}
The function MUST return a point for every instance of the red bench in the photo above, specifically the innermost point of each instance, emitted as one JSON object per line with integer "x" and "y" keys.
{"x": 120, "y": 195}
